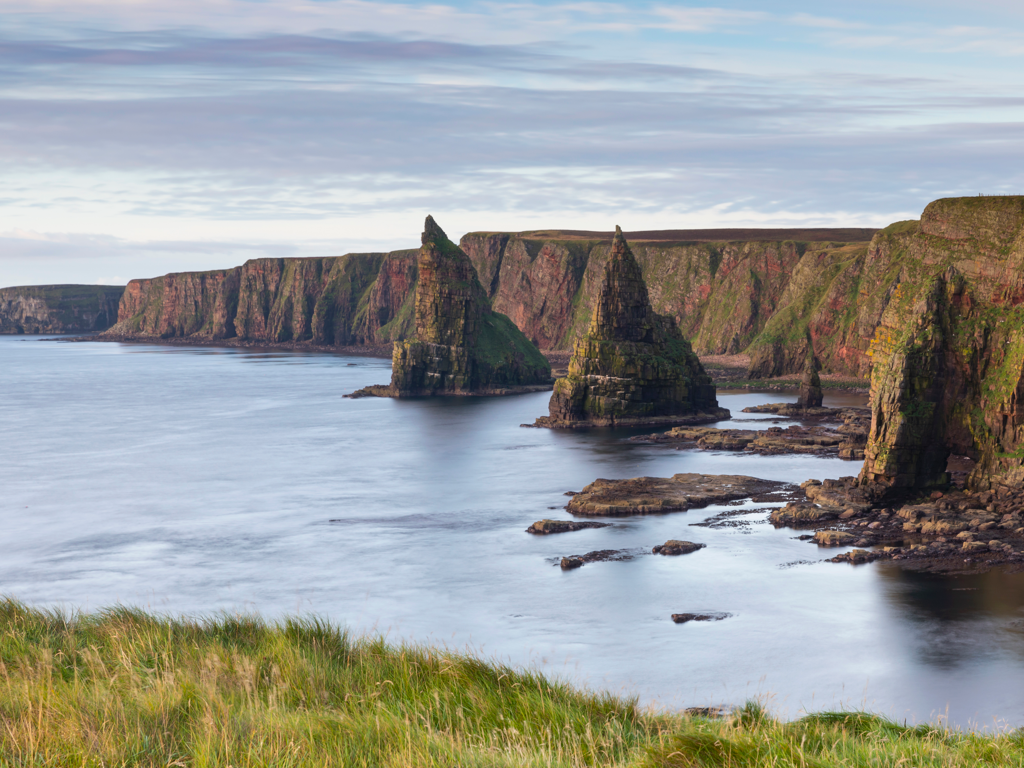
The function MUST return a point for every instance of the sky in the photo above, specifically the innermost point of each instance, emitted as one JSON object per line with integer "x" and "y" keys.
{"x": 140, "y": 137}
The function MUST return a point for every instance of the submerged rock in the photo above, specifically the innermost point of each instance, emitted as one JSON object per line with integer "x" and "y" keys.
{"x": 460, "y": 346}
{"x": 633, "y": 367}
{"x": 655, "y": 495}
{"x": 598, "y": 556}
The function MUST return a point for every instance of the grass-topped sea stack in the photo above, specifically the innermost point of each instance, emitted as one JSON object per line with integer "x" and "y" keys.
{"x": 633, "y": 367}
{"x": 460, "y": 347}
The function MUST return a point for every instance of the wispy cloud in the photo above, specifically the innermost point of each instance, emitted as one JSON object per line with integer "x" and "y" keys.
{"x": 206, "y": 132}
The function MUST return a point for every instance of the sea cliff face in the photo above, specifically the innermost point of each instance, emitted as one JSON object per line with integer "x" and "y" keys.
{"x": 721, "y": 293}
{"x": 344, "y": 300}
{"x": 948, "y": 353}
{"x": 58, "y": 308}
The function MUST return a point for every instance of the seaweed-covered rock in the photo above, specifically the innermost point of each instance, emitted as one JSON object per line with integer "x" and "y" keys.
{"x": 460, "y": 345}
{"x": 633, "y": 367}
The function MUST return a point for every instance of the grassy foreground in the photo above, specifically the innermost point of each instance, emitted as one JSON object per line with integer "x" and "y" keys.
{"x": 125, "y": 688}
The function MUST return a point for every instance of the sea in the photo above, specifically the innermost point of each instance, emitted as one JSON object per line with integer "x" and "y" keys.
{"x": 201, "y": 481}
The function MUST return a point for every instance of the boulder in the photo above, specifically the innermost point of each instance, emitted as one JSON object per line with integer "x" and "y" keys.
{"x": 676, "y": 547}
{"x": 834, "y": 538}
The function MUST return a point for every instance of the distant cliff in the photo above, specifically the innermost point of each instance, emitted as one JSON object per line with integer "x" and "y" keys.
{"x": 58, "y": 308}
{"x": 364, "y": 298}
{"x": 723, "y": 288}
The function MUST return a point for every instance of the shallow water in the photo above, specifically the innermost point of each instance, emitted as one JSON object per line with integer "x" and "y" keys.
{"x": 196, "y": 480}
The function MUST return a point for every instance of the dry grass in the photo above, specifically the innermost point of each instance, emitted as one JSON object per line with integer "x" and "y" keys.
{"x": 122, "y": 688}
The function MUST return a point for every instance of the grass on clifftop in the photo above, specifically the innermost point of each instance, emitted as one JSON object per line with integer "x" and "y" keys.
{"x": 122, "y": 688}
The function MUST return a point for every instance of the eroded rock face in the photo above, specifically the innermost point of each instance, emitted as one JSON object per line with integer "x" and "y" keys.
{"x": 460, "y": 345}
{"x": 633, "y": 366}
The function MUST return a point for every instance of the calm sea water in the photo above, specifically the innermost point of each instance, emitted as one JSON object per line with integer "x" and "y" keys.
{"x": 194, "y": 481}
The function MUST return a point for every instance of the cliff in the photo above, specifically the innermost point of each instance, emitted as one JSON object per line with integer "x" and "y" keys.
{"x": 948, "y": 353}
{"x": 460, "y": 346}
{"x": 633, "y": 366}
{"x": 722, "y": 287}
{"x": 352, "y": 299}
{"x": 58, "y": 308}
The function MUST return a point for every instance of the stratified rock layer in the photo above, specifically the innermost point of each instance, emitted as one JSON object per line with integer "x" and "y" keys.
{"x": 633, "y": 366}
{"x": 58, "y": 308}
{"x": 948, "y": 372}
{"x": 460, "y": 346}
{"x": 657, "y": 495}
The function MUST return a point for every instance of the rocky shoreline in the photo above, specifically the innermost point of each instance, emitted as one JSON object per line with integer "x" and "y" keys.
{"x": 955, "y": 530}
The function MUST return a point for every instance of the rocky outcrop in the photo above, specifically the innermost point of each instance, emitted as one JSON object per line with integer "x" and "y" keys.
{"x": 774, "y": 441}
{"x": 548, "y": 527}
{"x": 633, "y": 366}
{"x": 657, "y": 495}
{"x": 677, "y": 547}
{"x": 460, "y": 345}
{"x": 59, "y": 308}
{"x": 953, "y": 531}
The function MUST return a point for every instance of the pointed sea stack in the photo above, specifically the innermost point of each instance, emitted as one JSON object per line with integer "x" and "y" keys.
{"x": 810, "y": 384}
{"x": 460, "y": 347}
{"x": 633, "y": 367}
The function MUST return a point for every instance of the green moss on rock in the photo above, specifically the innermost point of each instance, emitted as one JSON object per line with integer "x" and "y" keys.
{"x": 461, "y": 346}
{"x": 633, "y": 366}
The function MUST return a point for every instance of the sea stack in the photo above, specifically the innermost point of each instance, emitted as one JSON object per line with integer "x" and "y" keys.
{"x": 633, "y": 367}
{"x": 460, "y": 347}
{"x": 810, "y": 383}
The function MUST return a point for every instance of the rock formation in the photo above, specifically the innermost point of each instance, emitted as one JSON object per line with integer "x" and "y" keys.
{"x": 460, "y": 345}
{"x": 658, "y": 495}
{"x": 810, "y": 384}
{"x": 633, "y": 366}
{"x": 723, "y": 288}
{"x": 58, "y": 308}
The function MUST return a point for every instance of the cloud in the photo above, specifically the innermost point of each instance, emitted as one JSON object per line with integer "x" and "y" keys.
{"x": 682, "y": 19}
